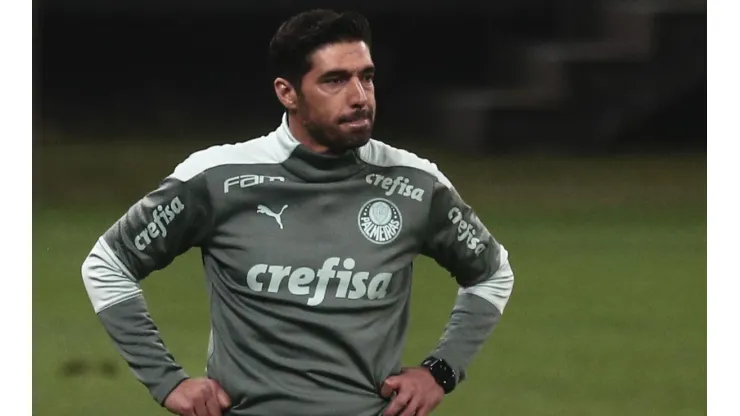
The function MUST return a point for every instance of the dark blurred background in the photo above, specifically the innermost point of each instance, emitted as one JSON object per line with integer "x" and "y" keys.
{"x": 505, "y": 76}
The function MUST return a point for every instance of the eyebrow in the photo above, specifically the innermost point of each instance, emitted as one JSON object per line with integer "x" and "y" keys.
{"x": 343, "y": 72}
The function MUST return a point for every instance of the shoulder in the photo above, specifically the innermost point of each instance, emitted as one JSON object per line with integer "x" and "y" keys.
{"x": 261, "y": 150}
{"x": 381, "y": 154}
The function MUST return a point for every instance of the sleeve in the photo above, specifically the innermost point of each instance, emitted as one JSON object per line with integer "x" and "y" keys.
{"x": 459, "y": 242}
{"x": 160, "y": 226}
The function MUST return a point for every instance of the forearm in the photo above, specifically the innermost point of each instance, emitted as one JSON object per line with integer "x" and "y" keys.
{"x": 121, "y": 308}
{"x": 137, "y": 340}
{"x": 476, "y": 313}
{"x": 471, "y": 322}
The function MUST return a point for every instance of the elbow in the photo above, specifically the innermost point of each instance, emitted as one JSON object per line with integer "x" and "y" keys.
{"x": 106, "y": 281}
{"x": 90, "y": 279}
{"x": 86, "y": 271}
{"x": 496, "y": 289}
{"x": 498, "y": 286}
{"x": 86, "y": 266}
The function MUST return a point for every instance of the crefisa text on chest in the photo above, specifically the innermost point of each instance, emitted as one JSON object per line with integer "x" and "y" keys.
{"x": 399, "y": 185}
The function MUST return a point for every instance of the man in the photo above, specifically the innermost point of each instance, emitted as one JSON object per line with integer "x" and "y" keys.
{"x": 307, "y": 236}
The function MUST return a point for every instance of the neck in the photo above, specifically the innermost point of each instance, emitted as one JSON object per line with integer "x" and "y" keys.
{"x": 311, "y": 161}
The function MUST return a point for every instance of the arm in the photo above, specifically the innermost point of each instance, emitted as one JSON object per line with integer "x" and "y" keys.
{"x": 460, "y": 243}
{"x": 162, "y": 225}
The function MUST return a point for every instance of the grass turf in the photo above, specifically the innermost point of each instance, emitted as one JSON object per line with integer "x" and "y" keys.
{"x": 608, "y": 315}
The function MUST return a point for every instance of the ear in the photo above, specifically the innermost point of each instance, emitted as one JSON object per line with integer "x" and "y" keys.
{"x": 286, "y": 93}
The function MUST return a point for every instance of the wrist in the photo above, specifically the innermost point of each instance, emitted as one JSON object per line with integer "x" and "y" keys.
{"x": 170, "y": 382}
{"x": 442, "y": 373}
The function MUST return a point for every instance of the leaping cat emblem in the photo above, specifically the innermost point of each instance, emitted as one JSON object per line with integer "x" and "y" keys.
{"x": 267, "y": 211}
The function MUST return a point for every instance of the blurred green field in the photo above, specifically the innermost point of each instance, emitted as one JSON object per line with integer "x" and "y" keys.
{"x": 608, "y": 315}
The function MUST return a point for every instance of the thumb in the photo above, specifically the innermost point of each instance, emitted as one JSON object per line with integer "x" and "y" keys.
{"x": 390, "y": 385}
{"x": 223, "y": 399}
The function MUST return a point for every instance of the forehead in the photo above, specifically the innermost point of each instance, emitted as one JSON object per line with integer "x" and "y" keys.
{"x": 350, "y": 56}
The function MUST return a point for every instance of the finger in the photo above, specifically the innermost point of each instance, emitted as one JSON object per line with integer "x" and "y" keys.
{"x": 423, "y": 410}
{"x": 386, "y": 391}
{"x": 398, "y": 404}
{"x": 427, "y": 407}
{"x": 413, "y": 406}
{"x": 185, "y": 410}
{"x": 200, "y": 407}
{"x": 223, "y": 399}
{"x": 393, "y": 383}
{"x": 212, "y": 406}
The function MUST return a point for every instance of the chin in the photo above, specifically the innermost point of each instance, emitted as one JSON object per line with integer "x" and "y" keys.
{"x": 349, "y": 143}
{"x": 355, "y": 141}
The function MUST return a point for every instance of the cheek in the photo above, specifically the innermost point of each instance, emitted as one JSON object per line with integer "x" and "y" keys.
{"x": 328, "y": 111}
{"x": 320, "y": 113}
{"x": 324, "y": 113}
{"x": 311, "y": 108}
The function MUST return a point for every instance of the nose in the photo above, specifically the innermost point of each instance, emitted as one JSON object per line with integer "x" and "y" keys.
{"x": 357, "y": 94}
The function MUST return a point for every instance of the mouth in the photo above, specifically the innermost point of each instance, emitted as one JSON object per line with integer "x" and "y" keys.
{"x": 359, "y": 123}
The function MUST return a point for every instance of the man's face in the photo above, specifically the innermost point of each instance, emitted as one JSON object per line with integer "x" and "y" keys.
{"x": 336, "y": 101}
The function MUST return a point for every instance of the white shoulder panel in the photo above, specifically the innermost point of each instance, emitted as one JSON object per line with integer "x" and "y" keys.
{"x": 380, "y": 154}
{"x": 266, "y": 149}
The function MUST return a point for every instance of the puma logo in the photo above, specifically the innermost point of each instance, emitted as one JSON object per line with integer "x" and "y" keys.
{"x": 261, "y": 209}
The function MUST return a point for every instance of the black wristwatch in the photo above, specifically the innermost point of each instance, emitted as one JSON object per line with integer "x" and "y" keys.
{"x": 442, "y": 372}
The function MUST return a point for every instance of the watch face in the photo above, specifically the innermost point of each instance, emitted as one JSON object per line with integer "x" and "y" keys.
{"x": 442, "y": 373}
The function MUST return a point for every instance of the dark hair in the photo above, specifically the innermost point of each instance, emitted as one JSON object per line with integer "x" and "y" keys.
{"x": 301, "y": 35}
